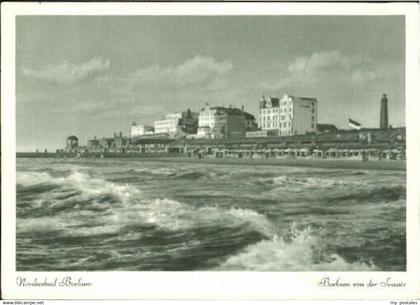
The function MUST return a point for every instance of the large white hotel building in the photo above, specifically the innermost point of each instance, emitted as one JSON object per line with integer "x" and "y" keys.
{"x": 289, "y": 115}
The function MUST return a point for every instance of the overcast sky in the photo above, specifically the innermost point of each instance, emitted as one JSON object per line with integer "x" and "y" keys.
{"x": 92, "y": 76}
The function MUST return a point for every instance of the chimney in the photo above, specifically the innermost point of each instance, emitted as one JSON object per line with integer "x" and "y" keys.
{"x": 262, "y": 102}
{"x": 120, "y": 134}
{"x": 115, "y": 134}
{"x": 242, "y": 108}
{"x": 383, "y": 123}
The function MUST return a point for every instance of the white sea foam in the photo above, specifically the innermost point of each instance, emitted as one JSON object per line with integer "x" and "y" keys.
{"x": 83, "y": 182}
{"x": 173, "y": 215}
{"x": 302, "y": 253}
{"x": 67, "y": 225}
{"x": 133, "y": 208}
{"x": 33, "y": 178}
{"x": 74, "y": 222}
{"x": 94, "y": 186}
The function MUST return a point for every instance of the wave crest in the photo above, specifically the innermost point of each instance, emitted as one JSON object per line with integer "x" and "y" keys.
{"x": 297, "y": 250}
{"x": 310, "y": 182}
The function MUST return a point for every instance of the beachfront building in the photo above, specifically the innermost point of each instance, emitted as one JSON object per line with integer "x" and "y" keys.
{"x": 71, "y": 143}
{"x": 221, "y": 122}
{"x": 177, "y": 125}
{"x": 290, "y": 115}
{"x": 118, "y": 143}
{"x": 168, "y": 124}
{"x": 138, "y": 130}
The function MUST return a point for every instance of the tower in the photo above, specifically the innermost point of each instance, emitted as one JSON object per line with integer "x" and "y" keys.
{"x": 383, "y": 123}
{"x": 72, "y": 142}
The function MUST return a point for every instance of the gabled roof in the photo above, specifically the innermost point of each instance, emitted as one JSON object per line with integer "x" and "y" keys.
{"x": 275, "y": 101}
{"x": 248, "y": 116}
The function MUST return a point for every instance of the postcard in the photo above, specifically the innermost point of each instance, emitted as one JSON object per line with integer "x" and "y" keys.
{"x": 210, "y": 150}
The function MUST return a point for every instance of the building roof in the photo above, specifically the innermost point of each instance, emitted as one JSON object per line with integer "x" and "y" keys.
{"x": 249, "y": 116}
{"x": 230, "y": 111}
{"x": 325, "y": 127}
{"x": 275, "y": 101}
{"x": 233, "y": 111}
{"x": 303, "y": 98}
{"x": 72, "y": 138}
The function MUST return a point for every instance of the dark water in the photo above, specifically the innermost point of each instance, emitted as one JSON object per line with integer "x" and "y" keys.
{"x": 136, "y": 215}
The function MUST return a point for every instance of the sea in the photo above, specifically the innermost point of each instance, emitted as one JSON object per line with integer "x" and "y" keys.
{"x": 139, "y": 215}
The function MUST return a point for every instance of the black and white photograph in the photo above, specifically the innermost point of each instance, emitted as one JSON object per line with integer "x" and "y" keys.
{"x": 258, "y": 143}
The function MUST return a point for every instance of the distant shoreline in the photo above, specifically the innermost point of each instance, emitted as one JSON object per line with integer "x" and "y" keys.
{"x": 317, "y": 163}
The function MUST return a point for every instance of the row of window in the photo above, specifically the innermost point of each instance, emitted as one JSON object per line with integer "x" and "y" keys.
{"x": 275, "y": 125}
{"x": 275, "y": 110}
{"x": 282, "y": 118}
{"x": 274, "y": 117}
{"x": 279, "y": 125}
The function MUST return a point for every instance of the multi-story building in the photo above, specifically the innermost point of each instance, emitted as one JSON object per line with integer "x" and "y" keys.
{"x": 168, "y": 124}
{"x": 118, "y": 143}
{"x": 177, "y": 124}
{"x": 141, "y": 130}
{"x": 221, "y": 122}
{"x": 206, "y": 121}
{"x": 290, "y": 115}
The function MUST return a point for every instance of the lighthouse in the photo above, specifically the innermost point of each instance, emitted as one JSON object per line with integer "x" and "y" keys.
{"x": 383, "y": 123}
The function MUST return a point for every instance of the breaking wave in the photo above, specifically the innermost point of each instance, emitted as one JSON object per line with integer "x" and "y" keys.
{"x": 247, "y": 226}
{"x": 127, "y": 205}
{"x": 83, "y": 182}
{"x": 310, "y": 182}
{"x": 300, "y": 250}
